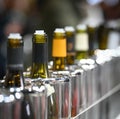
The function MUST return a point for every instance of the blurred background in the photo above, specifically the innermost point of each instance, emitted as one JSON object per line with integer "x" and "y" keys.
{"x": 26, "y": 16}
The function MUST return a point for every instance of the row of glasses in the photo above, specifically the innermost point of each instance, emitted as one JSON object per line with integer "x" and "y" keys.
{"x": 75, "y": 89}
{"x": 28, "y": 103}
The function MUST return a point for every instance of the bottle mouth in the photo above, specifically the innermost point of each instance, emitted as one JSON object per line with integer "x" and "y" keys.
{"x": 69, "y": 28}
{"x": 81, "y": 26}
{"x": 14, "y": 36}
{"x": 59, "y": 30}
{"x": 39, "y": 32}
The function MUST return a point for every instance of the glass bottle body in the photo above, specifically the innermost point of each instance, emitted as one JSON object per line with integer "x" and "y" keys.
{"x": 40, "y": 69}
{"x": 59, "y": 54}
{"x": 14, "y": 79}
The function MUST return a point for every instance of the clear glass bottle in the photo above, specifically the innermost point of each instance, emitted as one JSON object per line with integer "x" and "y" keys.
{"x": 81, "y": 42}
{"x": 40, "y": 69}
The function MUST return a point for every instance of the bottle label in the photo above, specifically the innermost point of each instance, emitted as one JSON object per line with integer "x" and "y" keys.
{"x": 113, "y": 40}
{"x": 50, "y": 89}
{"x": 59, "y": 48}
{"x": 81, "y": 42}
{"x": 15, "y": 57}
{"x": 40, "y": 53}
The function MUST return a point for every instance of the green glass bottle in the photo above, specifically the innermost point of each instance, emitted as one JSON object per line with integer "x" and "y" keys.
{"x": 70, "y": 37}
{"x": 14, "y": 78}
{"x": 40, "y": 69}
{"x": 40, "y": 57}
{"x": 14, "y": 72}
{"x": 81, "y": 42}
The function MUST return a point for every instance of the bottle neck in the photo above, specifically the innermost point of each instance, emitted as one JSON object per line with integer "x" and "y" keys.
{"x": 70, "y": 49}
{"x": 59, "y": 63}
{"x": 81, "y": 45}
{"x": 39, "y": 70}
{"x": 14, "y": 72}
{"x": 81, "y": 55}
{"x": 40, "y": 61}
{"x": 59, "y": 51}
{"x": 14, "y": 78}
{"x": 59, "y": 54}
{"x": 15, "y": 58}
{"x": 70, "y": 59}
{"x": 93, "y": 43}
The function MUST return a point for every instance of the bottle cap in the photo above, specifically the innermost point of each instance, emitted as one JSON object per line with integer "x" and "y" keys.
{"x": 14, "y": 36}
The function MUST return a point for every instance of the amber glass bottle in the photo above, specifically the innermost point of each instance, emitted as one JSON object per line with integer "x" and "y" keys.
{"x": 59, "y": 53}
{"x": 70, "y": 36}
{"x": 93, "y": 42}
{"x": 103, "y": 32}
{"x": 59, "y": 49}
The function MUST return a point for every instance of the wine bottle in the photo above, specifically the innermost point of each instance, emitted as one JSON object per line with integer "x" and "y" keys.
{"x": 102, "y": 34}
{"x": 40, "y": 57}
{"x": 93, "y": 42}
{"x": 82, "y": 52}
{"x": 14, "y": 72}
{"x": 14, "y": 75}
{"x": 81, "y": 42}
{"x": 59, "y": 49}
{"x": 70, "y": 37}
{"x": 59, "y": 53}
{"x": 40, "y": 69}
